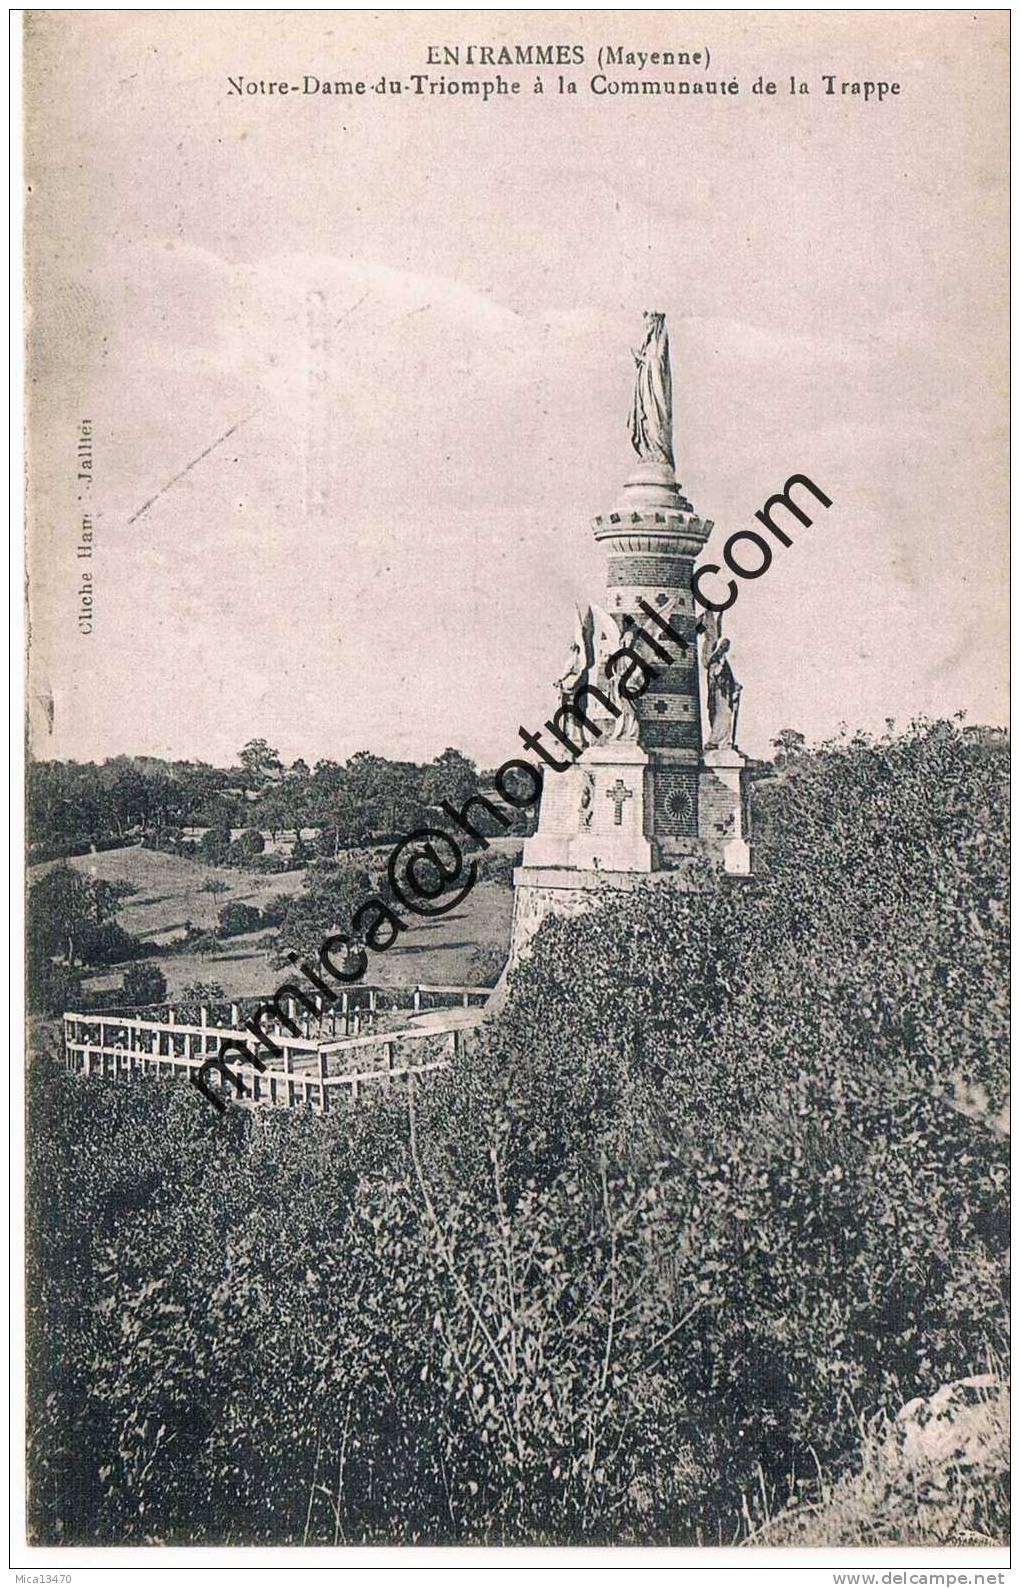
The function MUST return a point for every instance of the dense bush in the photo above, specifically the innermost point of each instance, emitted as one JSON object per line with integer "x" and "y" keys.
{"x": 144, "y": 985}
{"x": 199, "y": 942}
{"x": 214, "y": 845}
{"x": 52, "y": 989}
{"x": 109, "y": 944}
{"x": 274, "y": 865}
{"x": 275, "y": 912}
{"x": 724, "y": 1176}
{"x": 236, "y": 918}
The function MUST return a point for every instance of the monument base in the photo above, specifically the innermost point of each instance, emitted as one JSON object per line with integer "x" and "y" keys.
{"x": 568, "y": 892}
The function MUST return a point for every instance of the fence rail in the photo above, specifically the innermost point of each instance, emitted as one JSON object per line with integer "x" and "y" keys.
{"x": 305, "y": 1070}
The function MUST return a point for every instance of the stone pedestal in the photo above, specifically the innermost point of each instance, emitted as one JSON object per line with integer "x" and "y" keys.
{"x": 723, "y": 813}
{"x": 596, "y": 815}
{"x": 613, "y": 810}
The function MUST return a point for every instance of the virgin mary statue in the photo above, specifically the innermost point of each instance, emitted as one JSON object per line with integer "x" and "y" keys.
{"x": 651, "y": 412}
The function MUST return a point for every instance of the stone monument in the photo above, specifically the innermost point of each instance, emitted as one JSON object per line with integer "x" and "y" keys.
{"x": 651, "y": 792}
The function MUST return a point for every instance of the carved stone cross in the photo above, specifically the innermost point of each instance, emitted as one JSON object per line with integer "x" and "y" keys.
{"x": 618, "y": 793}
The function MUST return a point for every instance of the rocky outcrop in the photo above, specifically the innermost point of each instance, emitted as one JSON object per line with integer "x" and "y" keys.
{"x": 959, "y": 1428}
{"x": 937, "y": 1474}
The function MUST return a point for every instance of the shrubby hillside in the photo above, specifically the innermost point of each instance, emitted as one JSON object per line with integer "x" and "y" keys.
{"x": 723, "y": 1179}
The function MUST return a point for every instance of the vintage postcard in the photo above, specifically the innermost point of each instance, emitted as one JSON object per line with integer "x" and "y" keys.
{"x": 516, "y": 940}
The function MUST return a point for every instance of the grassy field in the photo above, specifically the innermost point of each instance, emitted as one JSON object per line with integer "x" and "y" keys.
{"x": 170, "y": 894}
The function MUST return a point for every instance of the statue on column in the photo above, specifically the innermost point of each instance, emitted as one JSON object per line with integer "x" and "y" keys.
{"x": 722, "y": 690}
{"x": 651, "y": 411}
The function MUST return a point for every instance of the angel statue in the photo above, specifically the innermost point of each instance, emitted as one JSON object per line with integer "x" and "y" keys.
{"x": 622, "y": 720}
{"x": 651, "y": 411}
{"x": 722, "y": 689}
{"x": 580, "y": 656}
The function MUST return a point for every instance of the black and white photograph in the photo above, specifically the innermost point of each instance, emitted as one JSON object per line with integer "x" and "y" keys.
{"x": 516, "y": 576}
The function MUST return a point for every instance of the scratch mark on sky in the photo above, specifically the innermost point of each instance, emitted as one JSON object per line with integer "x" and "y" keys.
{"x": 189, "y": 466}
{"x": 348, "y": 312}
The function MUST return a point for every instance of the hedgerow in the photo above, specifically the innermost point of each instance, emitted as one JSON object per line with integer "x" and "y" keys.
{"x": 725, "y": 1175}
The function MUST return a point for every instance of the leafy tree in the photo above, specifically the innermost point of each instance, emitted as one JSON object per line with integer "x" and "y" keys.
{"x": 279, "y": 806}
{"x": 214, "y": 845}
{"x": 129, "y": 800}
{"x": 53, "y": 989}
{"x": 202, "y": 992}
{"x": 258, "y": 760}
{"x": 246, "y": 848}
{"x": 452, "y": 776}
{"x": 339, "y": 804}
{"x": 63, "y": 907}
{"x": 325, "y": 905}
{"x": 788, "y": 744}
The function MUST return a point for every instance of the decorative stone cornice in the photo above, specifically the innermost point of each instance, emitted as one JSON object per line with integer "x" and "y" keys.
{"x": 652, "y": 515}
{"x": 652, "y": 533}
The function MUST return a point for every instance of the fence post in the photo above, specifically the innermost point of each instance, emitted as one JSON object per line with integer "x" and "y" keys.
{"x": 323, "y": 1091}
{"x": 203, "y": 1020}
{"x": 288, "y": 1065}
{"x": 417, "y": 1000}
{"x": 235, "y": 1016}
{"x": 389, "y": 1064}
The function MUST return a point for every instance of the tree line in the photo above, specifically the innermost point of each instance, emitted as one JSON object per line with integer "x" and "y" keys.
{"x": 74, "y": 806}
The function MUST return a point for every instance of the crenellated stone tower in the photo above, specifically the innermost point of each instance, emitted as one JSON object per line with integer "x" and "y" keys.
{"x": 653, "y": 792}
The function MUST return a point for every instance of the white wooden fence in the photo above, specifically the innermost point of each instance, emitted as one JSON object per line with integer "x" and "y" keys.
{"x": 309, "y": 1070}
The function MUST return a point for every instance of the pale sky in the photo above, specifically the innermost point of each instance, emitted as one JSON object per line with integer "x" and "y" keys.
{"x": 419, "y": 312}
